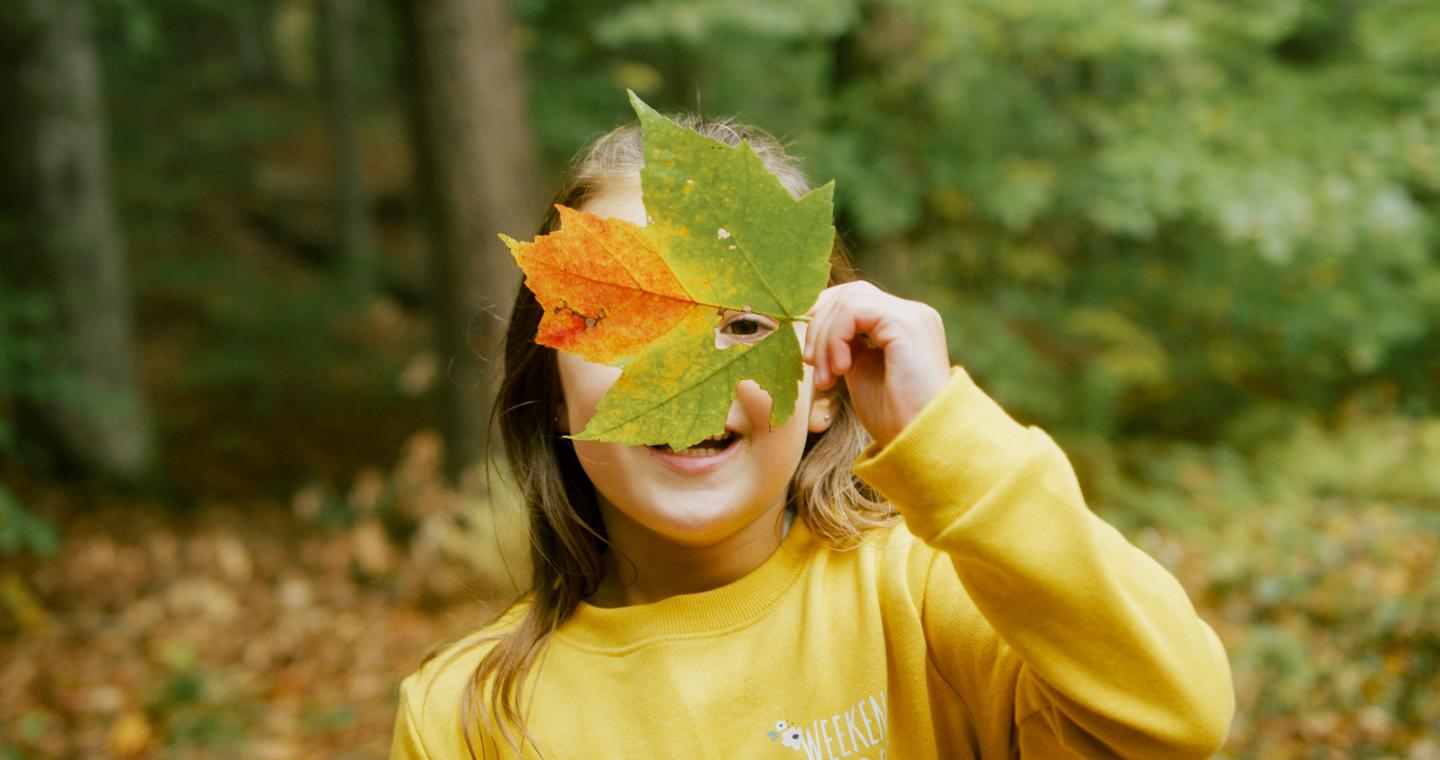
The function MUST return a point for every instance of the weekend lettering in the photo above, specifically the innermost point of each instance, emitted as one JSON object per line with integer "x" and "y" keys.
{"x": 857, "y": 730}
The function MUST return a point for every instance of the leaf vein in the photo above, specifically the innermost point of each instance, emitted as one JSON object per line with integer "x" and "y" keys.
{"x": 741, "y": 247}
{"x": 718, "y": 369}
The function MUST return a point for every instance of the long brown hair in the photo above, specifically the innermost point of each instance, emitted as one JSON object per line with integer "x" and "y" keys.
{"x": 567, "y": 536}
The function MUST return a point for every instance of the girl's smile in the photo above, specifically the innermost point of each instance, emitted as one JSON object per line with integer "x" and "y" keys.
{"x": 706, "y": 456}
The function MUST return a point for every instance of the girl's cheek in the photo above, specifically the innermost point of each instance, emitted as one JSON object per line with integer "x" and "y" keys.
{"x": 583, "y": 384}
{"x": 755, "y": 403}
{"x": 595, "y": 457}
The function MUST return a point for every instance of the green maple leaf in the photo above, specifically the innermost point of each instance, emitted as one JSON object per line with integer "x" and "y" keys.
{"x": 731, "y": 237}
{"x": 679, "y": 392}
{"x": 731, "y": 232}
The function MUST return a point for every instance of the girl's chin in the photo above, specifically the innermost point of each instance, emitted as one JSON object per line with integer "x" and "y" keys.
{"x": 698, "y": 523}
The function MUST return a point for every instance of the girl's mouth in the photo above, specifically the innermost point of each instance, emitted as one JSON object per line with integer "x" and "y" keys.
{"x": 707, "y": 447}
{"x": 705, "y": 456}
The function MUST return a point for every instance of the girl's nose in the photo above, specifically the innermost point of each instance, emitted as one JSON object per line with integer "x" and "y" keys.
{"x": 750, "y": 410}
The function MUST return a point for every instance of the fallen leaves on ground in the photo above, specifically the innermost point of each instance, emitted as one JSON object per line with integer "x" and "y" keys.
{"x": 256, "y": 630}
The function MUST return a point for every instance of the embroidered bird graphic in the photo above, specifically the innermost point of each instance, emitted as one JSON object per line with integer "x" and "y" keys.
{"x": 788, "y": 735}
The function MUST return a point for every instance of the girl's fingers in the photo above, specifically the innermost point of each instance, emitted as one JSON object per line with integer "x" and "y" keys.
{"x": 838, "y": 323}
{"x": 837, "y": 334}
{"x": 833, "y": 327}
{"x": 841, "y": 313}
{"x": 810, "y": 329}
{"x": 840, "y": 357}
{"x": 821, "y": 345}
{"x": 859, "y": 316}
{"x": 849, "y": 324}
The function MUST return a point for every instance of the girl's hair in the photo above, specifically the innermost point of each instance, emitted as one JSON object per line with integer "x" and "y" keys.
{"x": 568, "y": 538}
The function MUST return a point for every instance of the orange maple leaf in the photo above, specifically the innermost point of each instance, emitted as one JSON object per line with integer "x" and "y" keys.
{"x": 605, "y": 288}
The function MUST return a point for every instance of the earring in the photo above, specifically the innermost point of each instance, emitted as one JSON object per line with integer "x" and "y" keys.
{"x": 825, "y": 416}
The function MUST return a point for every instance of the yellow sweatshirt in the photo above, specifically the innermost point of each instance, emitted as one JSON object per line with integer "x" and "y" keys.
{"x": 1003, "y": 617}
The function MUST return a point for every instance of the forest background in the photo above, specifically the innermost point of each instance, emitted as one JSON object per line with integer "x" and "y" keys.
{"x": 251, "y": 288}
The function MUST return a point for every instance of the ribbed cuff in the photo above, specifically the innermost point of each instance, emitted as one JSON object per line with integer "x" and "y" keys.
{"x": 948, "y": 457}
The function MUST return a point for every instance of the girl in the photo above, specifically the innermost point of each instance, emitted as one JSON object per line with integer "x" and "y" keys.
{"x": 760, "y": 595}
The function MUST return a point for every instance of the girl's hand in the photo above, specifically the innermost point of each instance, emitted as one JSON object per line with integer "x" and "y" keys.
{"x": 890, "y": 351}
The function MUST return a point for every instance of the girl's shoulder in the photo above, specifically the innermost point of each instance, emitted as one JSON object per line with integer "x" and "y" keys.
{"x": 892, "y": 546}
{"x": 906, "y": 576}
{"x": 473, "y": 646}
{"x": 432, "y": 692}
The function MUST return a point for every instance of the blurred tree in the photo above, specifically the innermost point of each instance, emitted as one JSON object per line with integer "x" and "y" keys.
{"x": 476, "y": 172}
{"x": 63, "y": 248}
{"x": 255, "y": 43}
{"x": 358, "y": 256}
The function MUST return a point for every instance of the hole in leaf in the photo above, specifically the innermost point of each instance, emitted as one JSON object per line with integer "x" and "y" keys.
{"x": 742, "y": 328}
{"x": 588, "y": 320}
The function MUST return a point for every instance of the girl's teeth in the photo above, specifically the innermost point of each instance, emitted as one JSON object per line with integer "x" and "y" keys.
{"x": 696, "y": 451}
{"x": 703, "y": 448}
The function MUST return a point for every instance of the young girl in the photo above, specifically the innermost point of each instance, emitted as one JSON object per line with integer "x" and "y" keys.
{"x": 760, "y": 595}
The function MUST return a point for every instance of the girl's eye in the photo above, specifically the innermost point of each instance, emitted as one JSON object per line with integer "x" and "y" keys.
{"x": 742, "y": 328}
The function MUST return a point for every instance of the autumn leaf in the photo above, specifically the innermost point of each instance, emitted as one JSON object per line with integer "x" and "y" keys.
{"x": 679, "y": 392}
{"x": 727, "y": 227}
{"x": 724, "y": 237}
{"x": 604, "y": 287}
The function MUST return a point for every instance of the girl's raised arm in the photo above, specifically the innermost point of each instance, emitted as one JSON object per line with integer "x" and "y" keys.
{"x": 1082, "y": 645}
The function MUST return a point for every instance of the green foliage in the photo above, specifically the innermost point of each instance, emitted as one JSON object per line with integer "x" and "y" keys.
{"x": 1161, "y": 218}
{"x": 1141, "y": 219}
{"x": 259, "y": 337}
{"x": 27, "y": 729}
{"x": 329, "y": 719}
{"x": 1314, "y": 559}
{"x": 195, "y": 706}
{"x": 26, "y": 374}
{"x": 21, "y": 530}
{"x": 709, "y": 20}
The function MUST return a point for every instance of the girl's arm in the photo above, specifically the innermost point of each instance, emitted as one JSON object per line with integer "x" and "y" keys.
{"x": 1112, "y": 659}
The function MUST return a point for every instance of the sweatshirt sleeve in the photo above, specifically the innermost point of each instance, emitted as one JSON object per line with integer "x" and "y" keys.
{"x": 1112, "y": 658}
{"x": 405, "y": 744}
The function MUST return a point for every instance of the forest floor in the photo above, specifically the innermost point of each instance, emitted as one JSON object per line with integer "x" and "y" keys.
{"x": 266, "y": 629}
{"x": 234, "y": 630}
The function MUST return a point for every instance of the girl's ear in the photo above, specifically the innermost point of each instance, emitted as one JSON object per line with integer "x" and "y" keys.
{"x": 562, "y": 419}
{"x": 822, "y": 412}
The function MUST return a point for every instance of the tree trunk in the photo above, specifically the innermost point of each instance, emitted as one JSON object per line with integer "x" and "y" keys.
{"x": 476, "y": 171}
{"x": 357, "y": 259}
{"x": 63, "y": 243}
{"x": 255, "y": 44}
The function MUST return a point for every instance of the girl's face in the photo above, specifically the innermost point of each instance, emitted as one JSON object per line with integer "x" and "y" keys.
{"x": 680, "y": 498}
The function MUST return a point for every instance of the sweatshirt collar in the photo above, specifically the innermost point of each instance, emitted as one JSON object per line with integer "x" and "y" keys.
{"x": 617, "y": 630}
